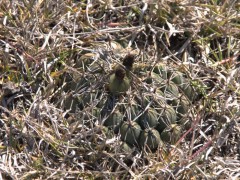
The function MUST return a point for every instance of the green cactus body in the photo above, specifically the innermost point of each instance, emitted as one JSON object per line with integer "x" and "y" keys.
{"x": 101, "y": 101}
{"x": 188, "y": 90}
{"x": 113, "y": 120}
{"x": 149, "y": 119}
{"x": 185, "y": 122}
{"x": 182, "y": 105}
{"x": 169, "y": 100}
{"x": 170, "y": 114}
{"x": 157, "y": 78}
{"x": 70, "y": 103}
{"x": 150, "y": 138}
{"x": 130, "y": 110}
{"x": 159, "y": 93}
{"x": 93, "y": 115}
{"x": 134, "y": 111}
{"x": 170, "y": 89}
{"x": 96, "y": 112}
{"x": 171, "y": 134}
{"x": 143, "y": 100}
{"x": 87, "y": 99}
{"x": 177, "y": 78}
{"x": 130, "y": 132}
{"x": 75, "y": 84}
{"x": 162, "y": 71}
{"x": 126, "y": 147}
{"x": 149, "y": 80}
{"x": 74, "y": 101}
{"x": 119, "y": 82}
{"x": 167, "y": 117}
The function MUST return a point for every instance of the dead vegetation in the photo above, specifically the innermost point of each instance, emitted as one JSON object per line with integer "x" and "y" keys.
{"x": 55, "y": 62}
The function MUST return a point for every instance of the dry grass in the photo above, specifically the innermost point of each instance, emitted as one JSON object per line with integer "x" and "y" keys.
{"x": 52, "y": 50}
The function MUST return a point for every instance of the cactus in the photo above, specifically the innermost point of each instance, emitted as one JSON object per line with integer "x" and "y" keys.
{"x": 177, "y": 78}
{"x": 91, "y": 116}
{"x": 143, "y": 100}
{"x": 188, "y": 90}
{"x": 170, "y": 89}
{"x": 181, "y": 105}
{"x": 113, "y": 120}
{"x": 149, "y": 119}
{"x": 130, "y": 132}
{"x": 119, "y": 82}
{"x": 134, "y": 111}
{"x": 126, "y": 147}
{"x": 167, "y": 117}
{"x": 161, "y": 93}
{"x": 154, "y": 77}
{"x": 162, "y": 70}
{"x": 89, "y": 98}
{"x": 171, "y": 134}
{"x": 150, "y": 138}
